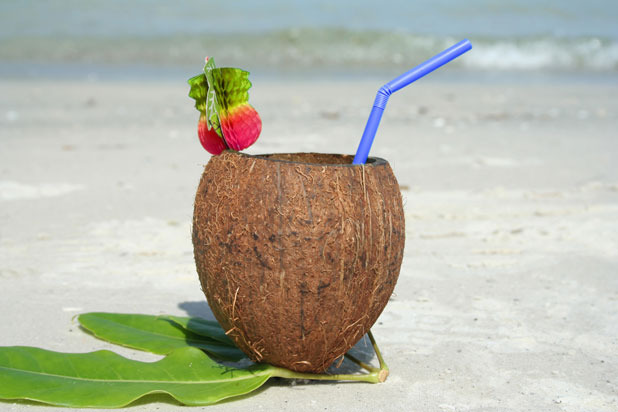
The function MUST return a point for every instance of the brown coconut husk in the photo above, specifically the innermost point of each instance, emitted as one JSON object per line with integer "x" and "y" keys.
{"x": 297, "y": 253}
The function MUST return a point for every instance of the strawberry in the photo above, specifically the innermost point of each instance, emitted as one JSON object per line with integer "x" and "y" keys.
{"x": 241, "y": 126}
{"x": 209, "y": 139}
{"x": 227, "y": 120}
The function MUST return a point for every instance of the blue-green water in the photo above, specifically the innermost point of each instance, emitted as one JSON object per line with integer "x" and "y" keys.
{"x": 327, "y": 37}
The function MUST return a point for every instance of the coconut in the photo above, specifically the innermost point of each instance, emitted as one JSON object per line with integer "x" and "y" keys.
{"x": 297, "y": 253}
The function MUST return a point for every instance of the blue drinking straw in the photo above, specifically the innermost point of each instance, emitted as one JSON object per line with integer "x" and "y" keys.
{"x": 400, "y": 82}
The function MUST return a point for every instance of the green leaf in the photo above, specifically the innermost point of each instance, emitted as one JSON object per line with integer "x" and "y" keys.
{"x": 198, "y": 91}
{"x": 212, "y": 104}
{"x": 206, "y": 328}
{"x": 104, "y": 379}
{"x": 155, "y": 334}
{"x": 233, "y": 87}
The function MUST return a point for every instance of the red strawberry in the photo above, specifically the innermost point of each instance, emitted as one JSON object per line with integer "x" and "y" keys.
{"x": 209, "y": 139}
{"x": 241, "y": 126}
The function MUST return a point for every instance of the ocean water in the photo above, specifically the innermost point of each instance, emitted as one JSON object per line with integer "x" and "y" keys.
{"x": 342, "y": 37}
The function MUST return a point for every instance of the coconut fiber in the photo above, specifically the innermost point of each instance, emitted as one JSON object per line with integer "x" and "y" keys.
{"x": 297, "y": 253}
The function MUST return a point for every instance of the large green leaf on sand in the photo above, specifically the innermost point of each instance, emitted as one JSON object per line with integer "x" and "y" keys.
{"x": 158, "y": 334}
{"x": 206, "y": 328}
{"x": 104, "y": 379}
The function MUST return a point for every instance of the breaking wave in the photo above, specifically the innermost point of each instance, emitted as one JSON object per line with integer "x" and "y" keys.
{"x": 319, "y": 48}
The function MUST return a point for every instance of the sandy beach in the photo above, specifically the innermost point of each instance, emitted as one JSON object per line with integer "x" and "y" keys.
{"x": 508, "y": 294}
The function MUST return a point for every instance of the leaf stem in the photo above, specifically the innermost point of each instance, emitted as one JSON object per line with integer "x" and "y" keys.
{"x": 289, "y": 374}
{"x": 383, "y": 374}
{"x": 360, "y": 363}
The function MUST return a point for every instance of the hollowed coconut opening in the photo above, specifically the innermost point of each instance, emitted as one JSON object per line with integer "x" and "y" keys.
{"x": 317, "y": 158}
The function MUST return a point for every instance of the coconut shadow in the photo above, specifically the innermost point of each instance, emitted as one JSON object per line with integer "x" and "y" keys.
{"x": 197, "y": 309}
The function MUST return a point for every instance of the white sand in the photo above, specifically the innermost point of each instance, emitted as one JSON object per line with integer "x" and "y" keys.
{"x": 508, "y": 294}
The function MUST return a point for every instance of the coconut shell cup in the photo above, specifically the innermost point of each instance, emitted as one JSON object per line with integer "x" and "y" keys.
{"x": 297, "y": 253}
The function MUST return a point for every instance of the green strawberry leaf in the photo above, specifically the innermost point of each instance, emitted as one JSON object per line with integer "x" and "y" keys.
{"x": 212, "y": 103}
{"x": 232, "y": 87}
{"x": 160, "y": 335}
{"x": 198, "y": 91}
{"x": 104, "y": 379}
